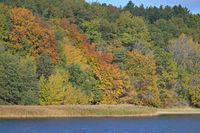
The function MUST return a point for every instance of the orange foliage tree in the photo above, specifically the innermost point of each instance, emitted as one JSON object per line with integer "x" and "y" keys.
{"x": 35, "y": 32}
{"x": 74, "y": 34}
{"x": 109, "y": 76}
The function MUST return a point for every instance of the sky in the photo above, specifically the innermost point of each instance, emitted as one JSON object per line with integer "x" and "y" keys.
{"x": 192, "y": 5}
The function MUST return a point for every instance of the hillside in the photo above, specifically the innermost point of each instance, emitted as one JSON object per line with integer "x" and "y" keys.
{"x": 72, "y": 52}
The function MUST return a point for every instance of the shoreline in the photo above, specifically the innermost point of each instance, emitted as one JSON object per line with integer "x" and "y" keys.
{"x": 87, "y": 111}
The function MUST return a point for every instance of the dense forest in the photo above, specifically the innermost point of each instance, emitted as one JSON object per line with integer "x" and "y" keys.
{"x": 57, "y": 52}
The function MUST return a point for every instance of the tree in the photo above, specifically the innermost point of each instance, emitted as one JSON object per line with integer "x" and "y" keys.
{"x": 142, "y": 70}
{"x": 167, "y": 77}
{"x": 44, "y": 66}
{"x": 193, "y": 23}
{"x": 182, "y": 85}
{"x": 166, "y": 69}
{"x": 162, "y": 31}
{"x": 74, "y": 96}
{"x": 168, "y": 98}
{"x": 75, "y": 36}
{"x": 5, "y": 25}
{"x": 130, "y": 6}
{"x": 108, "y": 77}
{"x": 34, "y": 31}
{"x": 58, "y": 90}
{"x": 75, "y": 56}
{"x": 52, "y": 91}
{"x": 131, "y": 28}
{"x": 9, "y": 71}
{"x": 195, "y": 96}
{"x": 84, "y": 82}
{"x": 30, "y": 94}
{"x": 92, "y": 29}
{"x": 18, "y": 82}
{"x": 185, "y": 52}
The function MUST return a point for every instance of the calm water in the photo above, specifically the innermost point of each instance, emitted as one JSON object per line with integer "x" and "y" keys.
{"x": 162, "y": 124}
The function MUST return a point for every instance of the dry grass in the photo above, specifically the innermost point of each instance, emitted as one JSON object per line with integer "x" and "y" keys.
{"x": 88, "y": 111}
{"x": 179, "y": 111}
{"x": 75, "y": 111}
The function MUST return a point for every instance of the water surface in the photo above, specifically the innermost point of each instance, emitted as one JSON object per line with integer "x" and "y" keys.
{"x": 161, "y": 124}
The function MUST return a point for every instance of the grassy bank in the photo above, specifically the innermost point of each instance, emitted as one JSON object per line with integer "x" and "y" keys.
{"x": 88, "y": 111}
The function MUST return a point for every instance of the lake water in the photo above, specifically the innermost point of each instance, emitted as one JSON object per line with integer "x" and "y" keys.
{"x": 161, "y": 124}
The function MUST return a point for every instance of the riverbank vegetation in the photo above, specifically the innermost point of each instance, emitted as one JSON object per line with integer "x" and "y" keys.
{"x": 73, "y": 52}
{"x": 65, "y": 111}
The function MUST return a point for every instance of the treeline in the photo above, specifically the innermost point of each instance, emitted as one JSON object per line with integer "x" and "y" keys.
{"x": 72, "y": 52}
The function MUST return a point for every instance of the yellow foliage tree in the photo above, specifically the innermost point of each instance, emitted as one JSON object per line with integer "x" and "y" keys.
{"x": 58, "y": 90}
{"x": 75, "y": 56}
{"x": 52, "y": 91}
{"x": 74, "y": 96}
{"x": 142, "y": 70}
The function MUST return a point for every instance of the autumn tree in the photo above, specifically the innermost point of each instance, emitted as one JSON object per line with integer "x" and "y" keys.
{"x": 185, "y": 52}
{"x": 75, "y": 56}
{"x": 74, "y": 34}
{"x": 108, "y": 76}
{"x": 58, "y": 90}
{"x": 194, "y": 90}
{"x": 34, "y": 31}
{"x": 194, "y": 95}
{"x": 142, "y": 70}
{"x": 52, "y": 90}
{"x": 74, "y": 96}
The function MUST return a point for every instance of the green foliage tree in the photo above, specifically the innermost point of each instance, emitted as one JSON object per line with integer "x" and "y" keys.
{"x": 5, "y": 25}
{"x": 166, "y": 69}
{"x": 131, "y": 28}
{"x": 153, "y": 14}
{"x": 182, "y": 86}
{"x": 17, "y": 80}
{"x": 82, "y": 81}
{"x": 44, "y": 66}
{"x": 92, "y": 29}
{"x": 162, "y": 31}
{"x": 30, "y": 94}
{"x": 193, "y": 23}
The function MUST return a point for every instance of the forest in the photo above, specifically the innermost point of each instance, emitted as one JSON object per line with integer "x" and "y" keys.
{"x": 59, "y": 52}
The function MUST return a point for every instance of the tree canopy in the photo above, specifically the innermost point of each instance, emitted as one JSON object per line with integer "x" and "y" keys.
{"x": 74, "y": 52}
